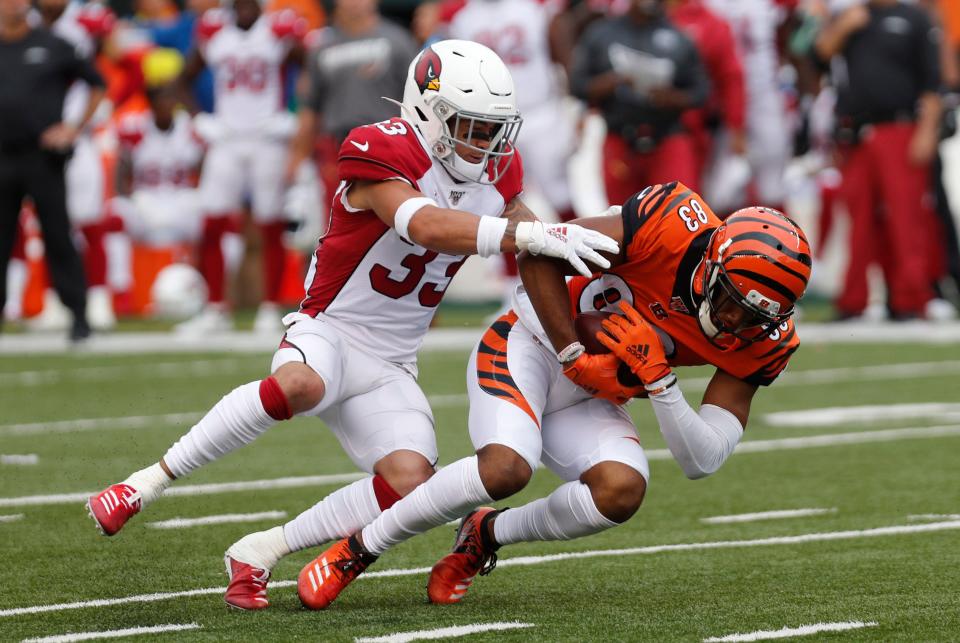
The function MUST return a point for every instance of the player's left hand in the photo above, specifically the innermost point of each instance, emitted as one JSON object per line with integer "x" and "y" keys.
{"x": 633, "y": 340}
{"x": 566, "y": 241}
{"x": 597, "y": 375}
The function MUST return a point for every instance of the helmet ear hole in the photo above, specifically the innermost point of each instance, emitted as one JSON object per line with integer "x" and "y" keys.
{"x": 420, "y": 114}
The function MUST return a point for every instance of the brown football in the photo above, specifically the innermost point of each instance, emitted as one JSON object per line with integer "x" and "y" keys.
{"x": 587, "y": 325}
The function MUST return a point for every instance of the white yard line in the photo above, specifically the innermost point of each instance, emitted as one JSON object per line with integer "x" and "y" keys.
{"x": 750, "y": 446}
{"x": 443, "y": 632}
{"x": 872, "y": 373}
{"x": 184, "y": 420}
{"x": 766, "y": 515}
{"x": 154, "y": 370}
{"x": 833, "y": 415}
{"x": 114, "y": 634}
{"x": 95, "y": 424}
{"x": 182, "y": 523}
{"x": 23, "y": 459}
{"x": 811, "y": 377}
{"x": 826, "y": 440}
{"x": 893, "y": 530}
{"x": 856, "y": 437}
{"x": 915, "y": 517}
{"x": 790, "y": 632}
{"x": 11, "y": 517}
{"x": 195, "y": 489}
{"x": 440, "y": 339}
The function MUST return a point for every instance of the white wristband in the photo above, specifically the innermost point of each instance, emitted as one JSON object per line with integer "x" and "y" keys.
{"x": 401, "y": 219}
{"x": 571, "y": 352}
{"x": 490, "y": 235}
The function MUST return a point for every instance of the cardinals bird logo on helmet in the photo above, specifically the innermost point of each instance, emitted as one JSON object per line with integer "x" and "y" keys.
{"x": 427, "y": 72}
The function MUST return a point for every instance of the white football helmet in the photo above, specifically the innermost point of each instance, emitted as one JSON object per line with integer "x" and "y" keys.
{"x": 457, "y": 81}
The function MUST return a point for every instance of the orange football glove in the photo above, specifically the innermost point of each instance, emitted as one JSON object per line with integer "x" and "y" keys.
{"x": 635, "y": 341}
{"x": 597, "y": 374}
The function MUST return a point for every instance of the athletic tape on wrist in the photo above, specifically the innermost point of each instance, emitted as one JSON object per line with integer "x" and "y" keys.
{"x": 571, "y": 352}
{"x": 401, "y": 220}
{"x": 525, "y": 233}
{"x": 490, "y": 235}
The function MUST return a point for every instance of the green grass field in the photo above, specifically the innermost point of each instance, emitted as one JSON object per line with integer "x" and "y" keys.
{"x": 906, "y": 581}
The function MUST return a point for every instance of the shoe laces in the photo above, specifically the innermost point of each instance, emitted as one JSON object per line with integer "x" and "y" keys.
{"x": 260, "y": 579}
{"x": 132, "y": 499}
{"x": 353, "y": 563}
{"x": 481, "y": 556}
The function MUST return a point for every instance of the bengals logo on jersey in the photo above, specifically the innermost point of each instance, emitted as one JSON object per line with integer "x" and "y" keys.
{"x": 427, "y": 72}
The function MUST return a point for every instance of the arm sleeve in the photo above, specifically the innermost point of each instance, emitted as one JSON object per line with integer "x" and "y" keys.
{"x": 699, "y": 442}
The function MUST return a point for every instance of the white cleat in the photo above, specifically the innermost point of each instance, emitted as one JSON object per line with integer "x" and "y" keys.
{"x": 209, "y": 320}
{"x": 100, "y": 308}
{"x": 940, "y": 310}
{"x": 53, "y": 318}
{"x": 268, "y": 319}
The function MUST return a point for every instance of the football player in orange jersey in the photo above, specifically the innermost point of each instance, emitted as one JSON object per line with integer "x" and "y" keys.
{"x": 692, "y": 290}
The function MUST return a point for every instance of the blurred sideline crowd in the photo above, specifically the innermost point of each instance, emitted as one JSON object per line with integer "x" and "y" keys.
{"x": 200, "y": 182}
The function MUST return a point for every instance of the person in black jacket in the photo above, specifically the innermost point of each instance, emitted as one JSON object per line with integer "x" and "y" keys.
{"x": 36, "y": 69}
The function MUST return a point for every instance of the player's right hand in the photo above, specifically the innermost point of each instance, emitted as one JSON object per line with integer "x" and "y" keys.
{"x": 566, "y": 241}
{"x": 597, "y": 375}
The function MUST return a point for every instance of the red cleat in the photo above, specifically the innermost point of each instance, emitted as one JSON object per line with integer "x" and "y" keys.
{"x": 113, "y": 507}
{"x": 472, "y": 554}
{"x": 248, "y": 585}
{"x": 322, "y": 580}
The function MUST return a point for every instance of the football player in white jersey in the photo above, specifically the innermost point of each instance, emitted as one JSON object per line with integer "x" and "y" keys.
{"x": 754, "y": 25}
{"x": 417, "y": 194}
{"x": 158, "y": 164}
{"x": 247, "y": 137}
{"x": 83, "y": 25}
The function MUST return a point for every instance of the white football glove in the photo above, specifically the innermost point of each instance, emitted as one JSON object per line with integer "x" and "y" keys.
{"x": 566, "y": 241}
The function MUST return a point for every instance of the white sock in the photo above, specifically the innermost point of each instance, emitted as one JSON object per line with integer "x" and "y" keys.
{"x": 261, "y": 549}
{"x": 343, "y": 513}
{"x": 568, "y": 512}
{"x": 237, "y": 419}
{"x": 150, "y": 482}
{"x": 452, "y": 492}
{"x": 119, "y": 261}
{"x": 17, "y": 275}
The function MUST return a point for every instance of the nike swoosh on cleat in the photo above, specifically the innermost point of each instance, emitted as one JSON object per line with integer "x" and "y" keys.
{"x": 362, "y": 147}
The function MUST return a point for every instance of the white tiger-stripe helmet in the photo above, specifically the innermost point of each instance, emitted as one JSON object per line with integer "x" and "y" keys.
{"x": 454, "y": 81}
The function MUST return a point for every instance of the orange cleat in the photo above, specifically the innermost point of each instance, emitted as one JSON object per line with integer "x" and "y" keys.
{"x": 473, "y": 553}
{"x": 113, "y": 507}
{"x": 322, "y": 580}
{"x": 248, "y": 585}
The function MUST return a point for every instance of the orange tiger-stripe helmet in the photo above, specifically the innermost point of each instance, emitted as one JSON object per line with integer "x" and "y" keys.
{"x": 760, "y": 260}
